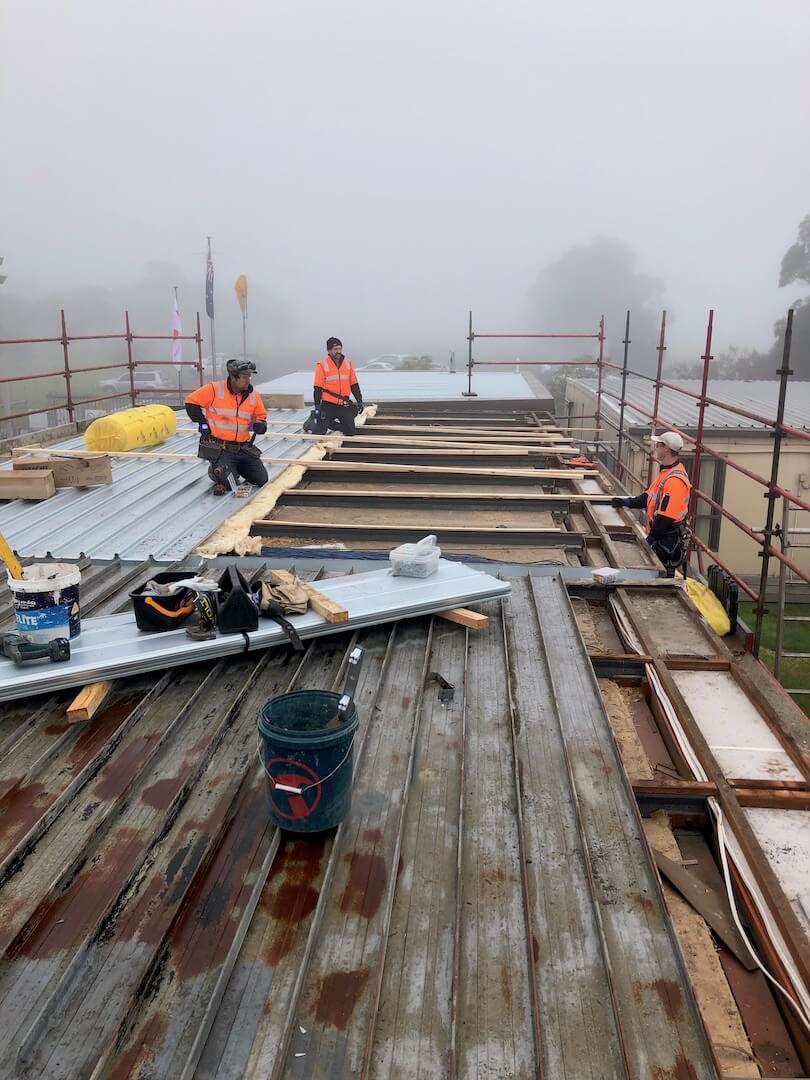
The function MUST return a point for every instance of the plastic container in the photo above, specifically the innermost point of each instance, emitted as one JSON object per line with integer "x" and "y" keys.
{"x": 131, "y": 429}
{"x": 47, "y": 603}
{"x": 418, "y": 560}
{"x": 155, "y": 613}
{"x": 308, "y": 756}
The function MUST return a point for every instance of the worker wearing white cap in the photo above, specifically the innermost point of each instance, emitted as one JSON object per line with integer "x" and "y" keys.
{"x": 666, "y": 501}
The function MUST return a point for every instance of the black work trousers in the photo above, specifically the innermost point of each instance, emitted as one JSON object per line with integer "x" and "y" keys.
{"x": 339, "y": 417}
{"x": 238, "y": 464}
{"x": 670, "y": 548}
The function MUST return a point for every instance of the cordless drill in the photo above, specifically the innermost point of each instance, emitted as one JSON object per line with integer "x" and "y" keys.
{"x": 21, "y": 649}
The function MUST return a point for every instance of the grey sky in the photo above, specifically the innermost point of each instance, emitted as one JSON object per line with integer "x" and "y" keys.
{"x": 381, "y": 168}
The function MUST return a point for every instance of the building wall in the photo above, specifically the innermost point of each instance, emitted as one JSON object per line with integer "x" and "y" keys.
{"x": 741, "y": 496}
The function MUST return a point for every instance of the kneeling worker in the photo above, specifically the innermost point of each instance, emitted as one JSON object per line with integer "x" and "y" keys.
{"x": 230, "y": 415}
{"x": 666, "y": 501}
{"x": 335, "y": 379}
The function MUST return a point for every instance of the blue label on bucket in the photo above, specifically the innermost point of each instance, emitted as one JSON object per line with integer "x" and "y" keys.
{"x": 44, "y": 623}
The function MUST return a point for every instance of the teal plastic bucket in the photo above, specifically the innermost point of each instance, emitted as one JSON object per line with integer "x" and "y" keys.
{"x": 308, "y": 757}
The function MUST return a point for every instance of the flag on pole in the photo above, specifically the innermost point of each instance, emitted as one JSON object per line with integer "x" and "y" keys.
{"x": 241, "y": 292}
{"x": 177, "y": 331}
{"x": 209, "y": 283}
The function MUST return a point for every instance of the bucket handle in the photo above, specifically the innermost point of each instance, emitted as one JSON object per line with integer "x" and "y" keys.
{"x": 186, "y": 610}
{"x": 318, "y": 783}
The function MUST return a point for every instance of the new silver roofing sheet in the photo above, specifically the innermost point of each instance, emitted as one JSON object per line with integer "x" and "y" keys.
{"x": 386, "y": 386}
{"x": 159, "y": 508}
{"x": 112, "y": 646}
{"x": 757, "y": 396}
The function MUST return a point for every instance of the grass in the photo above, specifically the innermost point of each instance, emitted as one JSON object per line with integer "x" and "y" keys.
{"x": 795, "y": 672}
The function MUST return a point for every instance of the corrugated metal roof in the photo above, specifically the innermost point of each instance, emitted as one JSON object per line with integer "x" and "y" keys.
{"x": 757, "y": 397}
{"x": 154, "y": 923}
{"x": 419, "y": 386}
{"x": 157, "y": 508}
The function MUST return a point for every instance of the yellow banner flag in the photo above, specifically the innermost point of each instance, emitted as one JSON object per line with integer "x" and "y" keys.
{"x": 241, "y": 292}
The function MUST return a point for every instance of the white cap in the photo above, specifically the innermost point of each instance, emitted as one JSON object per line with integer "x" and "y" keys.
{"x": 670, "y": 439}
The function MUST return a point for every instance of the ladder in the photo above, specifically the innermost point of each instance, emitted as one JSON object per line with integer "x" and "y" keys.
{"x": 786, "y": 533}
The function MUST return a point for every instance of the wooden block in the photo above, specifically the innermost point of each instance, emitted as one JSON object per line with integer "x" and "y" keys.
{"x": 87, "y": 702}
{"x": 473, "y": 620}
{"x": 284, "y": 401}
{"x": 326, "y": 608}
{"x": 31, "y": 484}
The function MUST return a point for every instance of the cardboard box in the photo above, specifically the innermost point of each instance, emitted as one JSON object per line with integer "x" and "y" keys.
{"x": 32, "y": 484}
{"x": 91, "y": 471}
{"x": 284, "y": 401}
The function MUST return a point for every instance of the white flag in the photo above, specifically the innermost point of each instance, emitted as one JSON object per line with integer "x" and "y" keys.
{"x": 177, "y": 330}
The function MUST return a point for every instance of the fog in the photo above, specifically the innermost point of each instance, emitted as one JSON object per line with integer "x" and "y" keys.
{"x": 377, "y": 170}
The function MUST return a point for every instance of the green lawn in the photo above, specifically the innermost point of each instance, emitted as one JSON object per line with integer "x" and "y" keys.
{"x": 795, "y": 673}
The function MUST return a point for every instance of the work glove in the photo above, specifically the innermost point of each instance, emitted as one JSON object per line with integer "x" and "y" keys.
{"x": 616, "y": 503}
{"x": 359, "y": 405}
{"x": 258, "y": 427}
{"x": 204, "y": 429}
{"x": 317, "y": 411}
{"x": 649, "y": 539}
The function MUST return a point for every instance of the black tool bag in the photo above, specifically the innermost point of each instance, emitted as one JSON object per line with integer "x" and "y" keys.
{"x": 210, "y": 449}
{"x": 162, "y": 612}
{"x": 250, "y": 449}
{"x": 314, "y": 425}
{"x": 237, "y": 614}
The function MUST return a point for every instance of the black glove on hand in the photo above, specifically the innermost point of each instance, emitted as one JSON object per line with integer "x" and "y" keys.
{"x": 258, "y": 427}
{"x": 616, "y": 503}
{"x": 204, "y": 429}
{"x": 359, "y": 405}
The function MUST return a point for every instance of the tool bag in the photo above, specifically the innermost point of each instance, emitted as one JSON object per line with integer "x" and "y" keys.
{"x": 154, "y": 611}
{"x": 314, "y": 425}
{"x": 292, "y": 598}
{"x": 210, "y": 449}
{"x": 237, "y": 613}
{"x": 277, "y": 601}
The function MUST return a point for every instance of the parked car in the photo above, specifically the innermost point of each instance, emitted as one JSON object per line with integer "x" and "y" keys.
{"x": 387, "y": 362}
{"x": 144, "y": 381}
{"x": 376, "y": 365}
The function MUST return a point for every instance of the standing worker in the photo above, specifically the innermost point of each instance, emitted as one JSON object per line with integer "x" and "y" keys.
{"x": 335, "y": 379}
{"x": 230, "y": 415}
{"x": 666, "y": 501}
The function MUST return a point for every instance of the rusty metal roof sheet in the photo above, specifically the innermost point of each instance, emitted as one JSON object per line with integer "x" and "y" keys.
{"x": 471, "y": 913}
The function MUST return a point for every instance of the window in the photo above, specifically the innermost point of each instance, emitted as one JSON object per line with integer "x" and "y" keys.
{"x": 712, "y": 481}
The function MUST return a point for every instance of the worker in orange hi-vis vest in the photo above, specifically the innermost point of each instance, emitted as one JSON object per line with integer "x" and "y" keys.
{"x": 666, "y": 501}
{"x": 334, "y": 381}
{"x": 229, "y": 415}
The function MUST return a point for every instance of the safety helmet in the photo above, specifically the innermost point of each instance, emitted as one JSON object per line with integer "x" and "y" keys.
{"x": 239, "y": 367}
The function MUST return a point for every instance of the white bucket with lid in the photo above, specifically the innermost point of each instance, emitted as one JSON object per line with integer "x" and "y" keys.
{"x": 46, "y": 601}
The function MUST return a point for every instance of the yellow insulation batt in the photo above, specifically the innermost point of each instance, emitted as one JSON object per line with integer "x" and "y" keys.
{"x": 131, "y": 429}
{"x": 709, "y": 606}
{"x": 233, "y": 536}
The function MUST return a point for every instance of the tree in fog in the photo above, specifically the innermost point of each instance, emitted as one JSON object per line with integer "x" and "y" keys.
{"x": 601, "y": 277}
{"x": 795, "y": 269}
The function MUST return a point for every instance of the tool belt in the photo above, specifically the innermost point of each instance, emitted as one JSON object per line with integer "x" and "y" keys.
{"x": 211, "y": 448}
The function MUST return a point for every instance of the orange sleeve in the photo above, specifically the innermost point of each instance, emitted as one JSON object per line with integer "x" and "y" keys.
{"x": 259, "y": 410}
{"x": 318, "y": 378}
{"x": 204, "y": 396}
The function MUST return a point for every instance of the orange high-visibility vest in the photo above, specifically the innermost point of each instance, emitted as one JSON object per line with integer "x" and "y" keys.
{"x": 668, "y": 494}
{"x": 335, "y": 382}
{"x": 228, "y": 416}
